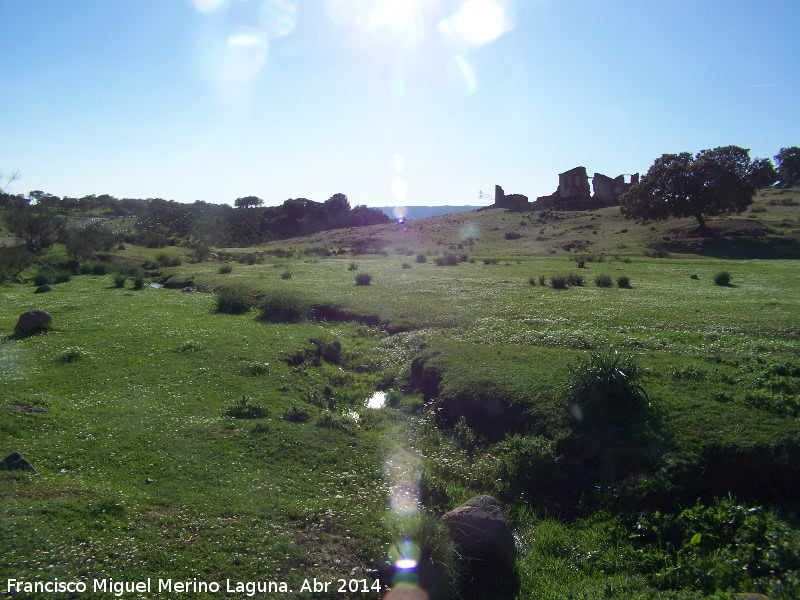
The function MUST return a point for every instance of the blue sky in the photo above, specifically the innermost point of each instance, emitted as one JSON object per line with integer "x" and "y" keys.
{"x": 415, "y": 102}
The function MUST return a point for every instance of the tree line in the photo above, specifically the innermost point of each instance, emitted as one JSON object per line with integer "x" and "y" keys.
{"x": 39, "y": 217}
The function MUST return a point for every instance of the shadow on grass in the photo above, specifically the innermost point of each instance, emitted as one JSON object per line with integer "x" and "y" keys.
{"x": 740, "y": 248}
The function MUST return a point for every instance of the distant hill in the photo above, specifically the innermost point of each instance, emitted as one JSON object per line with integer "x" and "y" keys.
{"x": 424, "y": 212}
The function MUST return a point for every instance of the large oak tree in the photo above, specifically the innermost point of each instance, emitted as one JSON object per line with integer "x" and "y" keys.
{"x": 713, "y": 182}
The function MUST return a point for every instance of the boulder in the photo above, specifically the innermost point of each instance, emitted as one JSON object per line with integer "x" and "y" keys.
{"x": 480, "y": 530}
{"x": 42, "y": 289}
{"x": 32, "y": 320}
{"x": 15, "y": 462}
{"x": 363, "y": 369}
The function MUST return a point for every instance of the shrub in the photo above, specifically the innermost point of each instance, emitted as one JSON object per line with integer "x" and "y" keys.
{"x": 448, "y": 260}
{"x": 99, "y": 269}
{"x": 70, "y": 355}
{"x": 233, "y": 301}
{"x": 542, "y": 280}
{"x": 138, "y": 281}
{"x": 559, "y": 282}
{"x": 244, "y": 410}
{"x": 604, "y": 281}
{"x": 283, "y": 307}
{"x": 421, "y": 258}
{"x": 62, "y": 276}
{"x": 363, "y": 279}
{"x": 296, "y": 415}
{"x": 168, "y": 261}
{"x": 405, "y": 265}
{"x": 575, "y": 280}
{"x": 607, "y": 384}
{"x": 120, "y": 279}
{"x": 512, "y": 235}
{"x": 256, "y": 368}
{"x": 336, "y": 420}
{"x": 624, "y": 281}
{"x": 723, "y": 278}
{"x": 353, "y": 266}
{"x": 532, "y": 281}
{"x": 225, "y": 269}
{"x": 286, "y": 275}
{"x": 44, "y": 277}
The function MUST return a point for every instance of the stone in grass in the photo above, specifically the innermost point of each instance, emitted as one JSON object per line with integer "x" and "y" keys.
{"x": 42, "y": 289}
{"x": 32, "y": 320}
{"x": 480, "y": 530}
{"x": 15, "y": 462}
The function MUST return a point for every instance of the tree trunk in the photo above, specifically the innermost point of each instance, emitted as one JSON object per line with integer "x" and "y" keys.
{"x": 703, "y": 229}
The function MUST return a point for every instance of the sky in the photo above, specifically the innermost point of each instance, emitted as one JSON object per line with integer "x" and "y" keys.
{"x": 391, "y": 102}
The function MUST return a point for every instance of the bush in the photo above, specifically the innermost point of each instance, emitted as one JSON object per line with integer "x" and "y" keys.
{"x": 624, "y": 282}
{"x": 512, "y": 235}
{"x": 120, "y": 279}
{"x": 168, "y": 261}
{"x": 405, "y": 266}
{"x": 559, "y": 282}
{"x": 286, "y": 275}
{"x": 575, "y": 280}
{"x": 604, "y": 281}
{"x": 608, "y": 384}
{"x": 297, "y": 415}
{"x": 532, "y": 281}
{"x": 363, "y": 279}
{"x": 138, "y": 281}
{"x": 421, "y": 258}
{"x": 244, "y": 410}
{"x": 233, "y": 301}
{"x": 283, "y": 307}
{"x": 225, "y": 269}
{"x": 723, "y": 278}
{"x": 448, "y": 260}
{"x": 542, "y": 280}
{"x": 44, "y": 277}
{"x": 353, "y": 266}
{"x": 336, "y": 420}
{"x": 99, "y": 269}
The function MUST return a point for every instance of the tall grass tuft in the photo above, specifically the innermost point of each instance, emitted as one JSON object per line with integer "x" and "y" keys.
{"x": 138, "y": 281}
{"x": 608, "y": 383}
{"x": 363, "y": 279}
{"x": 723, "y": 278}
{"x": 604, "y": 281}
{"x": 623, "y": 281}
{"x": 225, "y": 269}
{"x": 283, "y": 307}
{"x": 120, "y": 279}
{"x": 559, "y": 282}
{"x": 233, "y": 301}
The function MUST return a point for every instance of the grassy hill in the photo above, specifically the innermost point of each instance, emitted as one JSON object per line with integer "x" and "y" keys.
{"x": 176, "y": 440}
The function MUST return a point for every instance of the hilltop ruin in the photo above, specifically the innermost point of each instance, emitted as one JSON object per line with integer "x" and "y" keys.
{"x": 573, "y": 192}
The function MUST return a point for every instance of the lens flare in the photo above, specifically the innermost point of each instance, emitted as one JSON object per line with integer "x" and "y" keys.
{"x": 469, "y": 230}
{"x": 469, "y": 82}
{"x": 399, "y": 188}
{"x": 247, "y": 54}
{"x": 208, "y": 7}
{"x": 476, "y": 23}
{"x": 577, "y": 412}
{"x": 399, "y": 163}
{"x": 278, "y": 17}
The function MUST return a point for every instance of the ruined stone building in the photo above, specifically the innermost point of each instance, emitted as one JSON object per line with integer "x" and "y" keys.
{"x": 513, "y": 201}
{"x": 573, "y": 191}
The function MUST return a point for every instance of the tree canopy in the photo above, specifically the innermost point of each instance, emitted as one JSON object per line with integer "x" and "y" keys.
{"x": 788, "y": 161}
{"x": 248, "y": 202}
{"x": 713, "y": 182}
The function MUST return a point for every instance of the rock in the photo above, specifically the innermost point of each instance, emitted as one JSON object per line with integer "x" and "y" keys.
{"x": 32, "y": 320}
{"x": 479, "y": 528}
{"x": 363, "y": 369}
{"x": 692, "y": 276}
{"x": 35, "y": 409}
{"x": 15, "y": 462}
{"x": 18, "y": 280}
{"x": 42, "y": 289}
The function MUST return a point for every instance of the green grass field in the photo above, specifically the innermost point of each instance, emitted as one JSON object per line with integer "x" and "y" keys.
{"x": 144, "y": 473}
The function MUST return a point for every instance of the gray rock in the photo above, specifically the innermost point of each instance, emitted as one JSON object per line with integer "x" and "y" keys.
{"x": 479, "y": 528}
{"x": 32, "y": 320}
{"x": 693, "y": 277}
{"x": 42, "y": 289}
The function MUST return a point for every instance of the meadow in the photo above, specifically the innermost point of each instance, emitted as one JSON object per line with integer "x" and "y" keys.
{"x": 172, "y": 440}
